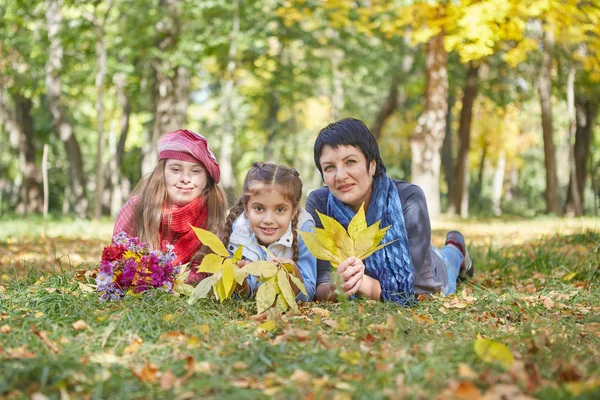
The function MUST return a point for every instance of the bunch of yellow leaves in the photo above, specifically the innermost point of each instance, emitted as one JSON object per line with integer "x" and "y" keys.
{"x": 274, "y": 275}
{"x": 224, "y": 269}
{"x": 276, "y": 287}
{"x": 334, "y": 244}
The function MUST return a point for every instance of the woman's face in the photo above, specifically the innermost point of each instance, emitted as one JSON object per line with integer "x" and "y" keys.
{"x": 185, "y": 181}
{"x": 346, "y": 174}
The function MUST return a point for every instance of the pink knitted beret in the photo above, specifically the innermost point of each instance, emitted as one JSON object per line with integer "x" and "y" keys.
{"x": 184, "y": 145}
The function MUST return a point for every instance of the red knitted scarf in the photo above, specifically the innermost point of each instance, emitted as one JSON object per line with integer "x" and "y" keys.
{"x": 176, "y": 223}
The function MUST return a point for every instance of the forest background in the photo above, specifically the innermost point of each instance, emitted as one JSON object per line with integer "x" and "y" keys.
{"x": 489, "y": 105}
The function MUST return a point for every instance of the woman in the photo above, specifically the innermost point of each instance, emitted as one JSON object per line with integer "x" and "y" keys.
{"x": 347, "y": 155}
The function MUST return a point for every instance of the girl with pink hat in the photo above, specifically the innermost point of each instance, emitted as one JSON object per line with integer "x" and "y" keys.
{"x": 182, "y": 190}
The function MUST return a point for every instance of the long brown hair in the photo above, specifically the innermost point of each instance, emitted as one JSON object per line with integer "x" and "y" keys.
{"x": 261, "y": 174}
{"x": 152, "y": 192}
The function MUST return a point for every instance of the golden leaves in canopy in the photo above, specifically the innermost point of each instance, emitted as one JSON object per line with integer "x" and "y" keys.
{"x": 334, "y": 244}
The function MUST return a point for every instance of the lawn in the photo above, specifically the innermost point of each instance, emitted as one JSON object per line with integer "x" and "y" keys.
{"x": 535, "y": 296}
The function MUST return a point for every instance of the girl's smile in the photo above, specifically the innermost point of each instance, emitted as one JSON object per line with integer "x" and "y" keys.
{"x": 185, "y": 181}
{"x": 269, "y": 214}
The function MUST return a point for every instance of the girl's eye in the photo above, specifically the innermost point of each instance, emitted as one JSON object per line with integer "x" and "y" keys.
{"x": 350, "y": 162}
{"x": 175, "y": 169}
{"x": 328, "y": 168}
{"x": 196, "y": 171}
{"x": 281, "y": 210}
{"x": 258, "y": 208}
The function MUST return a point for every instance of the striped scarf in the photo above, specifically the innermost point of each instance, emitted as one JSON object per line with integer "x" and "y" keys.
{"x": 392, "y": 265}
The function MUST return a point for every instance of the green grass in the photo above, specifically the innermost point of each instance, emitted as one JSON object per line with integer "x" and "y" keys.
{"x": 540, "y": 299}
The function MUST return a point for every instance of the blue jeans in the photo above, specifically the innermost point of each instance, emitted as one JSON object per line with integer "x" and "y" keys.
{"x": 453, "y": 259}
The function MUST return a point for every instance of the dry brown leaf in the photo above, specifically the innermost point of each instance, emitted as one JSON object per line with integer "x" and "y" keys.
{"x": 467, "y": 391}
{"x": 44, "y": 338}
{"x": 147, "y": 373}
{"x": 464, "y": 371}
{"x": 80, "y": 325}
{"x": 5, "y": 328}
{"x": 133, "y": 347}
{"x": 320, "y": 312}
{"x": 422, "y": 319}
{"x": 20, "y": 353}
{"x": 167, "y": 380}
{"x": 300, "y": 377}
{"x": 547, "y": 302}
{"x": 3, "y": 316}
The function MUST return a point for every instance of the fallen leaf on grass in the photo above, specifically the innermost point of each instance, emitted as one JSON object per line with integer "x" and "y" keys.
{"x": 467, "y": 391}
{"x": 44, "y": 338}
{"x": 422, "y": 319}
{"x": 80, "y": 325}
{"x": 320, "y": 312}
{"x": 547, "y": 302}
{"x": 505, "y": 391}
{"x": 267, "y": 326}
{"x": 167, "y": 380}
{"x": 133, "y": 347}
{"x": 300, "y": 377}
{"x": 577, "y": 388}
{"x": 2, "y": 289}
{"x": 38, "y": 314}
{"x": 147, "y": 373}
{"x": 5, "y": 329}
{"x": 464, "y": 371}
{"x": 86, "y": 288}
{"x": 20, "y": 353}
{"x": 493, "y": 352}
{"x": 3, "y": 316}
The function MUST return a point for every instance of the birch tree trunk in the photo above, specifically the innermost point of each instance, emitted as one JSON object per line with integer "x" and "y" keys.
{"x": 553, "y": 204}
{"x": 427, "y": 139}
{"x": 100, "y": 78}
{"x": 575, "y": 207}
{"x": 448, "y": 156}
{"x": 498, "y": 183}
{"x": 76, "y": 194}
{"x": 171, "y": 83}
{"x": 19, "y": 126}
{"x": 464, "y": 132}
{"x": 586, "y": 112}
{"x": 226, "y": 110}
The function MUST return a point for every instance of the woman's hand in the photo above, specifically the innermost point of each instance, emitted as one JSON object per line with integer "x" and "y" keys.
{"x": 352, "y": 272}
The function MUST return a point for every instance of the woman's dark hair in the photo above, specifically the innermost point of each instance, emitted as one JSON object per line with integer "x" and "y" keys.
{"x": 349, "y": 132}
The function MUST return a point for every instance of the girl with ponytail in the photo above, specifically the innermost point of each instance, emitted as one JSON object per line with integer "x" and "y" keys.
{"x": 269, "y": 214}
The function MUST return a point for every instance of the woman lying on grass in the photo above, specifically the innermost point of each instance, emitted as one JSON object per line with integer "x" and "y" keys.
{"x": 347, "y": 155}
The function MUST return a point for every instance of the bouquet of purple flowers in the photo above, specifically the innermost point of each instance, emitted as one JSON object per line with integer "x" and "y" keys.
{"x": 128, "y": 267}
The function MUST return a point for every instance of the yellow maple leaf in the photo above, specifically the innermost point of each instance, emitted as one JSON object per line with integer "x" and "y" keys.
{"x": 493, "y": 352}
{"x": 334, "y": 244}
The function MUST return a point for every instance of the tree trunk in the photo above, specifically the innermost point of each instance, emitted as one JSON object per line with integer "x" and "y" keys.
{"x": 464, "y": 133}
{"x": 171, "y": 84}
{"x": 448, "y": 156}
{"x": 387, "y": 109}
{"x": 77, "y": 198}
{"x": 117, "y": 150}
{"x": 100, "y": 78}
{"x": 391, "y": 102}
{"x": 586, "y": 112}
{"x": 226, "y": 110}
{"x": 575, "y": 207}
{"x": 19, "y": 125}
{"x": 479, "y": 184}
{"x": 553, "y": 204}
{"x": 498, "y": 183}
{"x": 427, "y": 139}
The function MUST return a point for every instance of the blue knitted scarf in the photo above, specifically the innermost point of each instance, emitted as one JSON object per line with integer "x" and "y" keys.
{"x": 391, "y": 266}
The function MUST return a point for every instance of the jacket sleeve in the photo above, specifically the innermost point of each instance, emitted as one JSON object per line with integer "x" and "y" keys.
{"x": 307, "y": 264}
{"x": 315, "y": 203}
{"x": 125, "y": 220}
